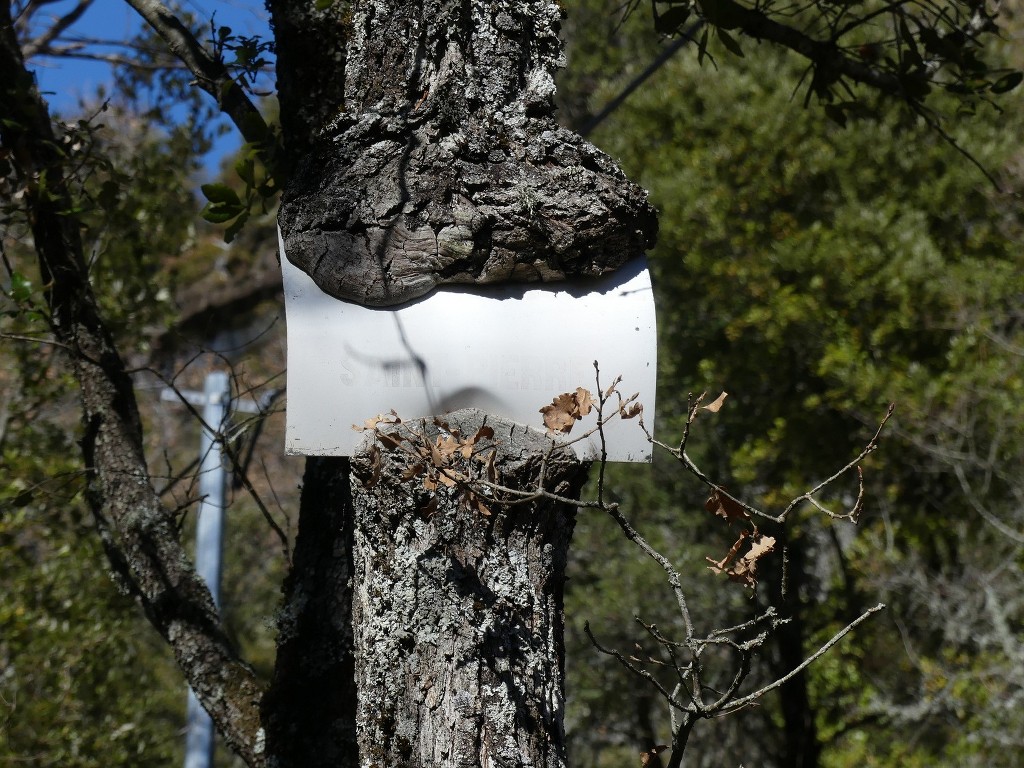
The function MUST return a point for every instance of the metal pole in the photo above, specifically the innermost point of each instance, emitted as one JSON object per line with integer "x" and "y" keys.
{"x": 209, "y": 535}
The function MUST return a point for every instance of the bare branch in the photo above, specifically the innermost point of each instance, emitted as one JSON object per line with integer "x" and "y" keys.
{"x": 681, "y": 456}
{"x": 62, "y": 23}
{"x": 809, "y": 495}
{"x": 673, "y": 575}
{"x": 211, "y": 74}
{"x": 635, "y": 669}
{"x": 742, "y": 702}
{"x": 830, "y": 61}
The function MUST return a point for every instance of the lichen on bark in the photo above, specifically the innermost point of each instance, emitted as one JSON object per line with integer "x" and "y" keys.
{"x": 445, "y": 163}
{"x": 458, "y": 621}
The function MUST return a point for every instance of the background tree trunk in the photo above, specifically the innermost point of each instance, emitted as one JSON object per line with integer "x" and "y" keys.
{"x": 458, "y": 608}
{"x": 140, "y": 535}
{"x": 309, "y": 709}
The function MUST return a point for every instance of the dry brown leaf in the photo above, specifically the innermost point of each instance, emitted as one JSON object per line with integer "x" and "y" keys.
{"x": 722, "y": 506}
{"x": 716, "y": 406}
{"x": 448, "y": 446}
{"x": 584, "y": 402}
{"x": 436, "y": 459}
{"x": 477, "y": 504}
{"x": 391, "y": 442}
{"x": 375, "y": 466}
{"x": 645, "y": 757}
{"x": 492, "y": 472}
{"x": 630, "y": 411}
{"x": 428, "y": 509}
{"x": 760, "y": 547}
{"x": 558, "y": 418}
{"x": 386, "y": 418}
{"x": 566, "y": 409}
{"x": 468, "y": 445}
{"x": 744, "y": 569}
{"x": 414, "y": 471}
{"x": 720, "y": 566}
{"x": 369, "y": 423}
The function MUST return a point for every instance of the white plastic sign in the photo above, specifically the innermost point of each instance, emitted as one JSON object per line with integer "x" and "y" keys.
{"x": 508, "y": 350}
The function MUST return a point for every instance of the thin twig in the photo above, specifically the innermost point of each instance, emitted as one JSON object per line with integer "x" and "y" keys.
{"x": 739, "y": 703}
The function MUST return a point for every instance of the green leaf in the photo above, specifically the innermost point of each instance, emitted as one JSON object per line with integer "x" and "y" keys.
{"x": 671, "y": 20}
{"x": 702, "y": 48}
{"x": 232, "y": 231}
{"x": 1007, "y": 82}
{"x": 21, "y": 287}
{"x": 243, "y": 56}
{"x": 323, "y": 5}
{"x": 218, "y": 214}
{"x": 730, "y": 43}
{"x": 221, "y": 194}
{"x": 246, "y": 170}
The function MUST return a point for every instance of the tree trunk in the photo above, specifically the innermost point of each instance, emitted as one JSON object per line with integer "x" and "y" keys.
{"x": 458, "y": 604}
{"x": 140, "y": 535}
{"x": 444, "y": 163}
{"x": 309, "y": 710}
{"x": 428, "y": 154}
{"x": 801, "y": 747}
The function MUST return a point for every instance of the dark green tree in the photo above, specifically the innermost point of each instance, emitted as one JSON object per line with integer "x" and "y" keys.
{"x": 338, "y": 65}
{"x": 817, "y": 273}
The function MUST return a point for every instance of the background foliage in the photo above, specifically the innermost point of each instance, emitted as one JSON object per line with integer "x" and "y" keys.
{"x": 815, "y": 272}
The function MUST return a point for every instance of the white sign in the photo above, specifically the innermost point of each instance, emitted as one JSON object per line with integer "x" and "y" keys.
{"x": 508, "y": 350}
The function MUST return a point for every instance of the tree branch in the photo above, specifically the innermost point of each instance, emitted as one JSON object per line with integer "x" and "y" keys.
{"x": 138, "y": 533}
{"x": 43, "y": 41}
{"x": 211, "y": 73}
{"x": 738, "y": 704}
{"x": 830, "y": 62}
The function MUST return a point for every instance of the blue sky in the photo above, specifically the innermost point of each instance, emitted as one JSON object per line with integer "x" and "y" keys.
{"x": 66, "y": 81}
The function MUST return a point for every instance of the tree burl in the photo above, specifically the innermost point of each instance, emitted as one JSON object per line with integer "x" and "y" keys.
{"x": 445, "y": 164}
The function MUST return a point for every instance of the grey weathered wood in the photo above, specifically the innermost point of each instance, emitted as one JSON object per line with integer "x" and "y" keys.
{"x": 445, "y": 164}
{"x": 458, "y": 619}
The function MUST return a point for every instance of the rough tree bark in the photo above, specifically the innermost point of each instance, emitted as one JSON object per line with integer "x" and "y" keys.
{"x": 444, "y": 164}
{"x": 458, "y": 606}
{"x": 428, "y": 154}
